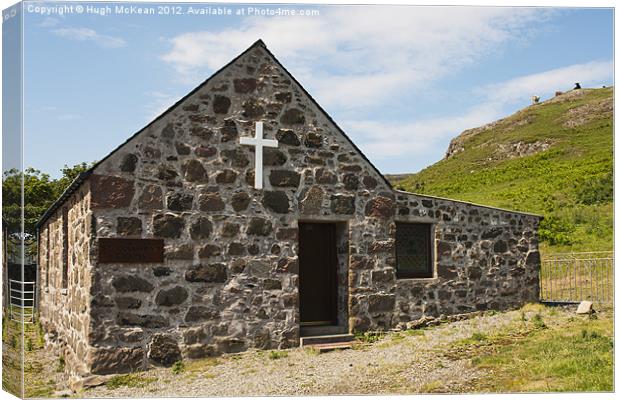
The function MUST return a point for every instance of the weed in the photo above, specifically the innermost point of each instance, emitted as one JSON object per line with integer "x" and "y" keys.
{"x": 178, "y": 367}
{"x": 587, "y": 335}
{"x": 311, "y": 351}
{"x": 276, "y": 354}
{"x": 129, "y": 380}
{"x": 29, "y": 344}
{"x": 370, "y": 336}
{"x": 61, "y": 364}
{"x": 538, "y": 322}
{"x": 431, "y": 387}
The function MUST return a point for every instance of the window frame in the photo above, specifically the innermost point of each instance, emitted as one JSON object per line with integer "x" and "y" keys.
{"x": 430, "y": 273}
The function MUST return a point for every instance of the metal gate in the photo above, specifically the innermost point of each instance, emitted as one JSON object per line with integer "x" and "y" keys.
{"x": 21, "y": 306}
{"x": 574, "y": 277}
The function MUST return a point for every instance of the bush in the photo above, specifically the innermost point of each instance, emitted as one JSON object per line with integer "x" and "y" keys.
{"x": 596, "y": 190}
{"x": 556, "y": 230}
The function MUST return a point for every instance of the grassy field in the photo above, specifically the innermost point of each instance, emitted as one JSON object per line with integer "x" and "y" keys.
{"x": 570, "y": 183}
{"x": 575, "y": 356}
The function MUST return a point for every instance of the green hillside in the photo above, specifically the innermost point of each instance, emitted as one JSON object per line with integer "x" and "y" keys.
{"x": 554, "y": 158}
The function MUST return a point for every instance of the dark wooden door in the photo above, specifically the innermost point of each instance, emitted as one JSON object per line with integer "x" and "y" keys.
{"x": 318, "y": 262}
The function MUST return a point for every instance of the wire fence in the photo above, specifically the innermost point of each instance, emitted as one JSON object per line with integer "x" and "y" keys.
{"x": 574, "y": 277}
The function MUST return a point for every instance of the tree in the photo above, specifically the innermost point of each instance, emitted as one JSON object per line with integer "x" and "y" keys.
{"x": 40, "y": 192}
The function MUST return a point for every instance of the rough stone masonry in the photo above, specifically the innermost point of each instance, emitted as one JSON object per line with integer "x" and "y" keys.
{"x": 229, "y": 280}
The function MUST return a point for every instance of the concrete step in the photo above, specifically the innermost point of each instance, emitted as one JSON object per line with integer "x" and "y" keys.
{"x": 322, "y": 348}
{"x": 326, "y": 339}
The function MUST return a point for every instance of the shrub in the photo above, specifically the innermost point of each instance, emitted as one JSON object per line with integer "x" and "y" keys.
{"x": 596, "y": 190}
{"x": 555, "y": 230}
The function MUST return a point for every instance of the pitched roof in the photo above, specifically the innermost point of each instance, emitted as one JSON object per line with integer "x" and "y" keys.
{"x": 77, "y": 182}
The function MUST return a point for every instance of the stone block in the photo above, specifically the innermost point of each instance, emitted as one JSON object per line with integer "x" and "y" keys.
{"x": 111, "y": 191}
{"x": 168, "y": 225}
{"x": 259, "y": 226}
{"x": 380, "y": 207}
{"x": 171, "y": 297}
{"x": 163, "y": 349}
{"x": 211, "y": 273}
{"x": 276, "y": 201}
{"x": 585, "y": 307}
{"x": 117, "y": 360}
{"x": 131, "y": 283}
{"x": 128, "y": 226}
{"x": 342, "y": 204}
{"x": 284, "y": 178}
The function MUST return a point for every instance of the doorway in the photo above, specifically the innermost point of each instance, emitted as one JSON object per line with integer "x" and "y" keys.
{"x": 318, "y": 274}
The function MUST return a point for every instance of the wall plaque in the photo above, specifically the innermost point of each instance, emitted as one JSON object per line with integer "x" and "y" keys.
{"x": 131, "y": 251}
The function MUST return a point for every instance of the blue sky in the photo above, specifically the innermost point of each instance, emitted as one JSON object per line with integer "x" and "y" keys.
{"x": 400, "y": 80}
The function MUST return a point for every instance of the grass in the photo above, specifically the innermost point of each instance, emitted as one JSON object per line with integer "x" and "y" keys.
{"x": 134, "y": 380}
{"x": 576, "y": 356}
{"x": 277, "y": 354}
{"x": 369, "y": 337}
{"x": 178, "y": 367}
{"x": 571, "y": 183}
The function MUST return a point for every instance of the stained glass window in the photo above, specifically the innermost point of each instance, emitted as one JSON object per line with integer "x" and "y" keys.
{"x": 413, "y": 251}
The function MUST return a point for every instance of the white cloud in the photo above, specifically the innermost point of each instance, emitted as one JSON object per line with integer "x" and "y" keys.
{"x": 361, "y": 56}
{"x": 87, "y": 34}
{"x": 590, "y": 74}
{"x": 382, "y": 140}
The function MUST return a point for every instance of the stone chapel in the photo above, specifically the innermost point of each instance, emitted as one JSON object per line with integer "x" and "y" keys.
{"x": 244, "y": 217}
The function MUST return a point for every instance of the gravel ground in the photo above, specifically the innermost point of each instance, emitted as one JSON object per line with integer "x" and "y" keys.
{"x": 399, "y": 363}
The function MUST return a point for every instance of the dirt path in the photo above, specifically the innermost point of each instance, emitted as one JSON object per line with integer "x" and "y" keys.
{"x": 402, "y": 362}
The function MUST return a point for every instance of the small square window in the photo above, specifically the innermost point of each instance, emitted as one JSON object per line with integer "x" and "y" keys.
{"x": 413, "y": 250}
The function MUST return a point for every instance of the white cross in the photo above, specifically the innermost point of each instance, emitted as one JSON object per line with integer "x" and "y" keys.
{"x": 259, "y": 142}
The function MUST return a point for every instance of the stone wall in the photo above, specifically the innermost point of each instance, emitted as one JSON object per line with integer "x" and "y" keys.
{"x": 230, "y": 276}
{"x": 484, "y": 258}
{"x": 65, "y": 312}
